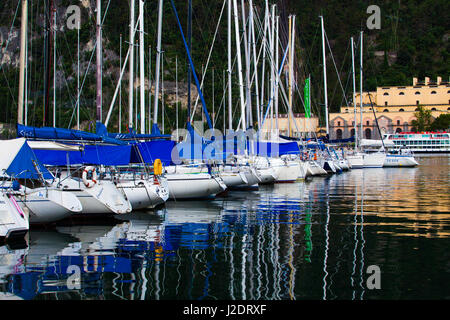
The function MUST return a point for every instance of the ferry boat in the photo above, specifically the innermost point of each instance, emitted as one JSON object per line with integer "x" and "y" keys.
{"x": 420, "y": 142}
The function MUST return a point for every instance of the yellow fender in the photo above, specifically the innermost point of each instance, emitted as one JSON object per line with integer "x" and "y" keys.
{"x": 157, "y": 167}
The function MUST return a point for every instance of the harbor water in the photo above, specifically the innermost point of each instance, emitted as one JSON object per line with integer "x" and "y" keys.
{"x": 319, "y": 239}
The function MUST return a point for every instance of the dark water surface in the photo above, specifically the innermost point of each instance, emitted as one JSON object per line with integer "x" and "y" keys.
{"x": 312, "y": 240}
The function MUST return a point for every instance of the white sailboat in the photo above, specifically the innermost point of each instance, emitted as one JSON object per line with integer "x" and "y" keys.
{"x": 96, "y": 196}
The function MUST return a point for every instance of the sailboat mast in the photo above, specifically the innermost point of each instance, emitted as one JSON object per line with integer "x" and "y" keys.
{"x": 48, "y": 53}
{"x": 361, "y": 88}
{"x": 23, "y": 42}
{"x": 354, "y": 93}
{"x": 247, "y": 66}
{"x": 158, "y": 63}
{"x": 99, "y": 60}
{"x": 255, "y": 64}
{"x": 264, "y": 45}
{"x": 131, "y": 66}
{"x": 325, "y": 76}
{"x": 54, "y": 69}
{"x": 189, "y": 34}
{"x": 120, "y": 86}
{"x": 78, "y": 76}
{"x": 141, "y": 64}
{"x": 277, "y": 78}
{"x": 290, "y": 75}
{"x": 239, "y": 61}
{"x": 230, "y": 119}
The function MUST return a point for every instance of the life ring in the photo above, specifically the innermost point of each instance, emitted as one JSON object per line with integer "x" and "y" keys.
{"x": 93, "y": 181}
{"x": 157, "y": 167}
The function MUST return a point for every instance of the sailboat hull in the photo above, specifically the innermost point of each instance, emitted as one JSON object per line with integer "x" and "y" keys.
{"x": 194, "y": 186}
{"x": 14, "y": 223}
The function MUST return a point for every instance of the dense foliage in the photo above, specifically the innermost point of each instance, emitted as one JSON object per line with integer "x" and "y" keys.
{"x": 413, "y": 42}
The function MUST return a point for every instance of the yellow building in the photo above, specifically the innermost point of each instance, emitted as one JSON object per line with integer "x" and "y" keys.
{"x": 300, "y": 126}
{"x": 394, "y": 107}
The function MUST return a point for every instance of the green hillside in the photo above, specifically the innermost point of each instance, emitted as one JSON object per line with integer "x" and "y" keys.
{"x": 413, "y": 42}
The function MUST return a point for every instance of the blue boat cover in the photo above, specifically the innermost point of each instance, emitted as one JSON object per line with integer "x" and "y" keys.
{"x": 147, "y": 152}
{"x": 51, "y": 133}
{"x": 91, "y": 155}
{"x": 20, "y": 162}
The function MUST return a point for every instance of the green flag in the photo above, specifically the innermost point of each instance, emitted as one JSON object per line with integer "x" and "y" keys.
{"x": 307, "y": 99}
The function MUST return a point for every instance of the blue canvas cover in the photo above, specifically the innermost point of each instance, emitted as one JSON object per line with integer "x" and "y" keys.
{"x": 91, "y": 155}
{"x": 19, "y": 161}
{"x": 148, "y": 151}
{"x": 51, "y": 133}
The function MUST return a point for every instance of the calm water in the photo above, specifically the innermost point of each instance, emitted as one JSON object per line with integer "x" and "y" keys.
{"x": 311, "y": 240}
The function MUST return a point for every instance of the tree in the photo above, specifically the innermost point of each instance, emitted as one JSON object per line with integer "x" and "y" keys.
{"x": 441, "y": 123}
{"x": 423, "y": 119}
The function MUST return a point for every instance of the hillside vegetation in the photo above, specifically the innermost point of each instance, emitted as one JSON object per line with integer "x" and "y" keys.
{"x": 413, "y": 42}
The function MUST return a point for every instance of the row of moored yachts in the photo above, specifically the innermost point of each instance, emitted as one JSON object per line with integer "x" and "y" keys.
{"x": 33, "y": 193}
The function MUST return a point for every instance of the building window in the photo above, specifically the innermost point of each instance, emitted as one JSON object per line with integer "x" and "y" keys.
{"x": 417, "y": 93}
{"x": 385, "y": 94}
{"x": 398, "y": 122}
{"x": 401, "y": 110}
{"x": 417, "y": 102}
{"x": 385, "y": 103}
{"x": 352, "y": 132}
{"x": 433, "y": 92}
{"x": 339, "y": 123}
{"x": 368, "y": 123}
{"x": 385, "y": 110}
{"x": 401, "y": 94}
{"x": 338, "y": 134}
{"x": 433, "y": 109}
{"x": 368, "y": 133}
{"x": 398, "y": 130}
